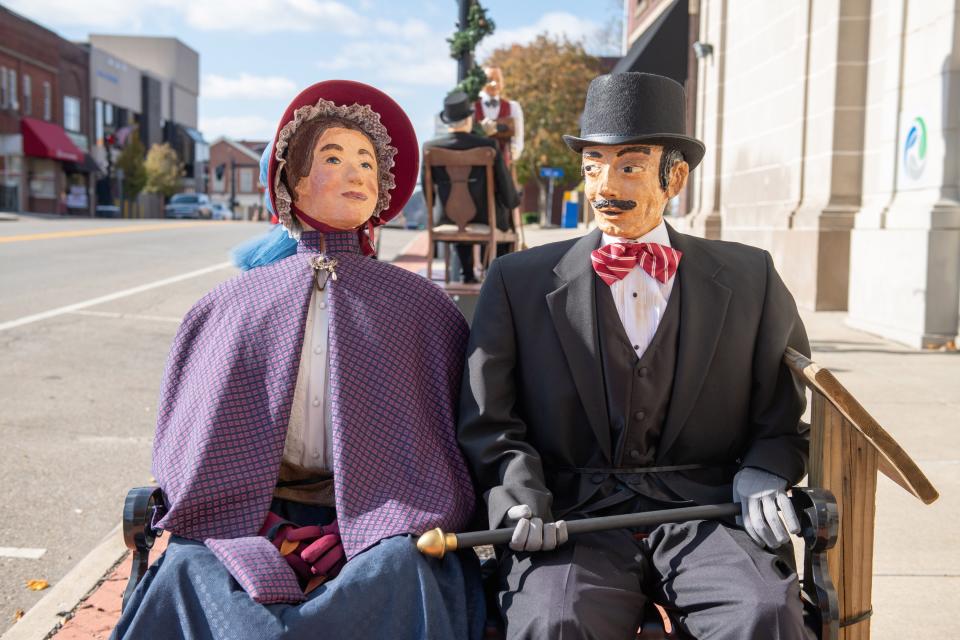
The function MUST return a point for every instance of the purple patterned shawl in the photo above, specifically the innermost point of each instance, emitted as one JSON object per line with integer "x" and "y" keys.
{"x": 396, "y": 355}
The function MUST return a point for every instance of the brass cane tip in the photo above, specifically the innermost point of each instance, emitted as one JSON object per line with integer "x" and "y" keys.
{"x": 435, "y": 543}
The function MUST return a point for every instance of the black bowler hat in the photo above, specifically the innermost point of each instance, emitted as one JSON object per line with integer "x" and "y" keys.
{"x": 456, "y": 107}
{"x": 623, "y": 108}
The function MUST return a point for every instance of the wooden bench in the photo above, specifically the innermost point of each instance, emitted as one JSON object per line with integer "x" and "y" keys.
{"x": 847, "y": 450}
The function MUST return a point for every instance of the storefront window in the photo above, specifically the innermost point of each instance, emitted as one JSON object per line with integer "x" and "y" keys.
{"x": 12, "y": 90}
{"x": 108, "y": 114}
{"x": 3, "y": 87}
{"x": 98, "y": 122}
{"x": 77, "y": 191}
{"x": 27, "y": 95}
{"x": 42, "y": 178}
{"x": 71, "y": 113}
{"x": 47, "y": 101}
{"x": 10, "y": 170}
{"x": 246, "y": 180}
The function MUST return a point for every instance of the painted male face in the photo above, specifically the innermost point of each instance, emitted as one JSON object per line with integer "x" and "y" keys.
{"x": 494, "y": 81}
{"x": 342, "y": 188}
{"x": 622, "y": 182}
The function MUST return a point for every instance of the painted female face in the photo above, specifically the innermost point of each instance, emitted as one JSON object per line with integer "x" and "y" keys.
{"x": 622, "y": 182}
{"x": 342, "y": 187}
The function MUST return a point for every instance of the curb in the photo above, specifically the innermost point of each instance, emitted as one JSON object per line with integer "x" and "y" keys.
{"x": 8, "y": 217}
{"x": 53, "y": 609}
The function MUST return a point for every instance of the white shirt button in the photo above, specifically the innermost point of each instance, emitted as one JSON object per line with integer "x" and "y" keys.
{"x": 316, "y": 453}
{"x": 322, "y": 305}
{"x": 316, "y": 402}
{"x": 318, "y": 350}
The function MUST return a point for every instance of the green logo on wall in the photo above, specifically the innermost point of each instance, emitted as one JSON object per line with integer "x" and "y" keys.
{"x": 915, "y": 149}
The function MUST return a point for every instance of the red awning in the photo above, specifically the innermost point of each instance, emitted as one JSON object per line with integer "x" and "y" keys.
{"x": 47, "y": 140}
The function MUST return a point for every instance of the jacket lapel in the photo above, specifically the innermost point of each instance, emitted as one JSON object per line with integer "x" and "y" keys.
{"x": 575, "y": 318}
{"x": 703, "y": 309}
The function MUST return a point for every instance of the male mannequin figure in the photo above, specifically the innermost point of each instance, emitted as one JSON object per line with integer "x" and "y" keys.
{"x": 491, "y": 106}
{"x": 637, "y": 368}
{"x": 458, "y": 116}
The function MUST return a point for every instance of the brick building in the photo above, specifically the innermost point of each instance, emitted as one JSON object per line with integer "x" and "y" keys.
{"x": 237, "y": 162}
{"x": 44, "y": 120}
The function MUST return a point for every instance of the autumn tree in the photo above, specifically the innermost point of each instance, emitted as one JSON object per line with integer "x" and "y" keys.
{"x": 164, "y": 170}
{"x": 130, "y": 161}
{"x": 549, "y": 78}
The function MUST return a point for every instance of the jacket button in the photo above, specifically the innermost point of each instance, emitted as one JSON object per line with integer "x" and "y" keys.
{"x": 642, "y": 371}
{"x": 635, "y": 454}
{"x": 639, "y": 415}
{"x": 597, "y": 478}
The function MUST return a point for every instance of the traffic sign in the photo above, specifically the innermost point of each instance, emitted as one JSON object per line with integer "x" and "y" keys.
{"x": 551, "y": 172}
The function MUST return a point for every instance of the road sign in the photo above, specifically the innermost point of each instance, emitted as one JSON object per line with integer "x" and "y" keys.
{"x": 551, "y": 172}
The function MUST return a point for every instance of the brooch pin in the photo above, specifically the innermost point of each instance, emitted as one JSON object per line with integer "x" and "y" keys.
{"x": 324, "y": 268}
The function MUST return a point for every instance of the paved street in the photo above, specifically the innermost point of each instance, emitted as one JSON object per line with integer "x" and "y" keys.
{"x": 78, "y": 388}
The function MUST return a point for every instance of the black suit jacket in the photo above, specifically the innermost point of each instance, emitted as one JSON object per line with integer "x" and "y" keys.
{"x": 533, "y": 402}
{"x": 503, "y": 189}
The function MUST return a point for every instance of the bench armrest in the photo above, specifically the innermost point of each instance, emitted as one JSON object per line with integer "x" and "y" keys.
{"x": 141, "y": 509}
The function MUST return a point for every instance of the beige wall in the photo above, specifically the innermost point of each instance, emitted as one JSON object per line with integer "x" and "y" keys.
{"x": 114, "y": 80}
{"x": 167, "y": 59}
{"x": 780, "y": 108}
{"x": 905, "y": 249}
{"x": 184, "y": 107}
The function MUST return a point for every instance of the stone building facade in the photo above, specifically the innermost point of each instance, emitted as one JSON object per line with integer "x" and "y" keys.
{"x": 832, "y": 141}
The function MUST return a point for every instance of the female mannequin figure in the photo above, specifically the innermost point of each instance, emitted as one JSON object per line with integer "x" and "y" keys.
{"x": 306, "y": 424}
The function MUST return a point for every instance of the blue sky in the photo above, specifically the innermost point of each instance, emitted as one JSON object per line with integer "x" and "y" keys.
{"x": 255, "y": 55}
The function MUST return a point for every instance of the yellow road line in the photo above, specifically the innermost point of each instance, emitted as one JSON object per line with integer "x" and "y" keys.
{"x": 100, "y": 232}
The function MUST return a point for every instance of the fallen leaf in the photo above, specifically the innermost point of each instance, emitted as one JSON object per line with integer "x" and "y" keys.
{"x": 17, "y": 614}
{"x": 37, "y": 585}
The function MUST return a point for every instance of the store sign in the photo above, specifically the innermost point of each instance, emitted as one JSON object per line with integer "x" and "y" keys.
{"x": 77, "y": 197}
{"x": 915, "y": 149}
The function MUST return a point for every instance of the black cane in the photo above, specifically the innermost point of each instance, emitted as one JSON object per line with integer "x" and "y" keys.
{"x": 436, "y": 543}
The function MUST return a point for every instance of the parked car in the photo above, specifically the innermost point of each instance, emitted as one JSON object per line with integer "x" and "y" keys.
{"x": 220, "y": 211}
{"x": 188, "y": 205}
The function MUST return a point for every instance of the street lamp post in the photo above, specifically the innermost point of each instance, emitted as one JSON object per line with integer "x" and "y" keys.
{"x": 466, "y": 60}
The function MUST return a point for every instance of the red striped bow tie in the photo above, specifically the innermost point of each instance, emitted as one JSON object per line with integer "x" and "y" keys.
{"x": 614, "y": 261}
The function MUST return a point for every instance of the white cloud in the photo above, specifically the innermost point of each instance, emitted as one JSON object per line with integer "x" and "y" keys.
{"x": 101, "y": 14}
{"x": 244, "y": 16}
{"x": 262, "y": 16}
{"x": 238, "y": 127}
{"x": 246, "y": 87}
{"x": 423, "y": 60}
{"x": 556, "y": 23}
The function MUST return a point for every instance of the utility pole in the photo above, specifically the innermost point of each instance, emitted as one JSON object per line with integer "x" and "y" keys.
{"x": 233, "y": 184}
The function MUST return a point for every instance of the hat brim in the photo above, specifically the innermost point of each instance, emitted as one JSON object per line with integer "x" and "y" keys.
{"x": 692, "y": 149}
{"x": 406, "y": 168}
{"x": 452, "y": 119}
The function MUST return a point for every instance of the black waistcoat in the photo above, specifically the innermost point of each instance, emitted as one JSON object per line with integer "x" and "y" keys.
{"x": 638, "y": 389}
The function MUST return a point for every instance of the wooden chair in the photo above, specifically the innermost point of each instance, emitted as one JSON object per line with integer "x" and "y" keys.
{"x": 460, "y": 207}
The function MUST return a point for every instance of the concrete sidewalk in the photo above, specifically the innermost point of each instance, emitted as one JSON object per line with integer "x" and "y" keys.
{"x": 914, "y": 395}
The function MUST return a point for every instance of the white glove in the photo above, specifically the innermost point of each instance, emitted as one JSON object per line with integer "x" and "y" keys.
{"x": 533, "y": 534}
{"x": 759, "y": 493}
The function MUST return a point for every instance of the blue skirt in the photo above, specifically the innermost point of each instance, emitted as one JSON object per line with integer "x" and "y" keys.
{"x": 389, "y": 591}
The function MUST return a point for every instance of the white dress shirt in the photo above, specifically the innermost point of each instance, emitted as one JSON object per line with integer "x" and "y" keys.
{"x": 309, "y": 441}
{"x": 640, "y": 298}
{"x": 493, "y": 111}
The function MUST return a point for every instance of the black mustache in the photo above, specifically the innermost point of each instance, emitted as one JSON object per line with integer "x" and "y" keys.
{"x": 623, "y": 205}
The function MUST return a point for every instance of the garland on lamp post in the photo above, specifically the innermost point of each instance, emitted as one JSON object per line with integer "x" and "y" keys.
{"x": 464, "y": 42}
